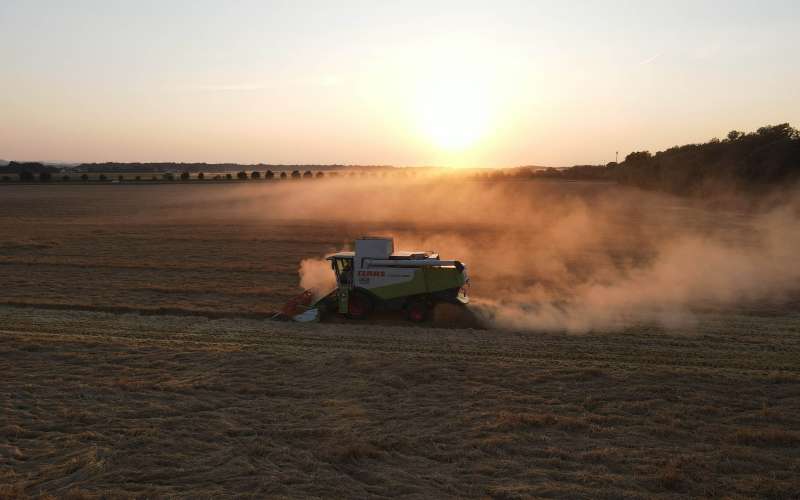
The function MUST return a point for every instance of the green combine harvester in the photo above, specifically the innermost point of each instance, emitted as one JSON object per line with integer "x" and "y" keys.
{"x": 376, "y": 278}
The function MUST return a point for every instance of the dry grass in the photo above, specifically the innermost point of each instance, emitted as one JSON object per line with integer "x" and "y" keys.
{"x": 768, "y": 437}
{"x": 12, "y": 491}
{"x": 116, "y": 405}
{"x": 96, "y": 402}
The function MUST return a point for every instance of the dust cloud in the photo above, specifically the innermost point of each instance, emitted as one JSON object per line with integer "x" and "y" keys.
{"x": 316, "y": 275}
{"x": 559, "y": 256}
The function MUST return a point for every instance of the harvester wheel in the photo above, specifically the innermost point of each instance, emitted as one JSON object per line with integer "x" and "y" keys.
{"x": 417, "y": 311}
{"x": 359, "y": 305}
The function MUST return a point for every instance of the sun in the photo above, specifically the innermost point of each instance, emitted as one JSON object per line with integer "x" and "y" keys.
{"x": 454, "y": 109}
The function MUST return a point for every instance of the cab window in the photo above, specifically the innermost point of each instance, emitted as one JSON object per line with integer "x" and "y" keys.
{"x": 344, "y": 270}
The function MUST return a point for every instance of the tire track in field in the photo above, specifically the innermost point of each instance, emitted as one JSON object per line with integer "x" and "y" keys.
{"x": 156, "y": 311}
{"x": 643, "y": 347}
{"x": 554, "y": 354}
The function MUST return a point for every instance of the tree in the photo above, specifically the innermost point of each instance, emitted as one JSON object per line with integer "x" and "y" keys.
{"x": 168, "y": 176}
{"x": 308, "y": 174}
{"x": 228, "y": 176}
{"x": 185, "y": 176}
{"x": 26, "y": 176}
{"x": 320, "y": 175}
{"x": 65, "y": 178}
{"x": 269, "y": 174}
{"x": 638, "y": 157}
{"x": 735, "y": 135}
{"x": 241, "y": 175}
{"x": 45, "y": 177}
{"x": 201, "y": 176}
{"x": 120, "y": 178}
{"x": 777, "y": 132}
{"x": 283, "y": 175}
{"x": 296, "y": 174}
{"x": 27, "y": 166}
{"x": 84, "y": 177}
{"x": 138, "y": 177}
{"x": 255, "y": 174}
{"x": 103, "y": 177}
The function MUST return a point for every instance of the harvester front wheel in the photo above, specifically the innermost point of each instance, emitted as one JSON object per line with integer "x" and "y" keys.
{"x": 417, "y": 310}
{"x": 359, "y": 305}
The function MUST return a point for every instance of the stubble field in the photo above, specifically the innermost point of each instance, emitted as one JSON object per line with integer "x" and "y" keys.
{"x": 137, "y": 360}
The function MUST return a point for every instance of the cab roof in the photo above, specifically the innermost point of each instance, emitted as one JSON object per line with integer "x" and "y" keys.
{"x": 341, "y": 255}
{"x": 401, "y": 255}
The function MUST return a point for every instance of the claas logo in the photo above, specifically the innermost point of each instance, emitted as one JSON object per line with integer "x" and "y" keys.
{"x": 371, "y": 273}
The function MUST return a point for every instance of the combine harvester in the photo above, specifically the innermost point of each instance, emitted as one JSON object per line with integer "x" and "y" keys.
{"x": 376, "y": 278}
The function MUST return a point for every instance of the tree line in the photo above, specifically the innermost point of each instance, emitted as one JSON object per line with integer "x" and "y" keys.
{"x": 746, "y": 161}
{"x": 25, "y": 173}
{"x": 156, "y": 167}
{"x": 768, "y": 157}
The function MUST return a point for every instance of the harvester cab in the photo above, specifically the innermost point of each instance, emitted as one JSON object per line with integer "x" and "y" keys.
{"x": 374, "y": 277}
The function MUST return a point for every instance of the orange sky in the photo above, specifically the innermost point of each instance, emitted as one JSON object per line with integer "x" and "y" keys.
{"x": 408, "y": 83}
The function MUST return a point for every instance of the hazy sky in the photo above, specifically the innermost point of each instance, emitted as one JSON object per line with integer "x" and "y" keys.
{"x": 403, "y": 82}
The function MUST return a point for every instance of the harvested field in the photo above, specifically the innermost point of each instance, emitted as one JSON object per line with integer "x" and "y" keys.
{"x": 211, "y": 399}
{"x": 175, "y": 406}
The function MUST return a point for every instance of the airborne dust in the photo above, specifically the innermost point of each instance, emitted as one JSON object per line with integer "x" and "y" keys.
{"x": 552, "y": 256}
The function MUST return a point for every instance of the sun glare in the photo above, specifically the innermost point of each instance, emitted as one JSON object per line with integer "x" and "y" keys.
{"x": 454, "y": 109}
